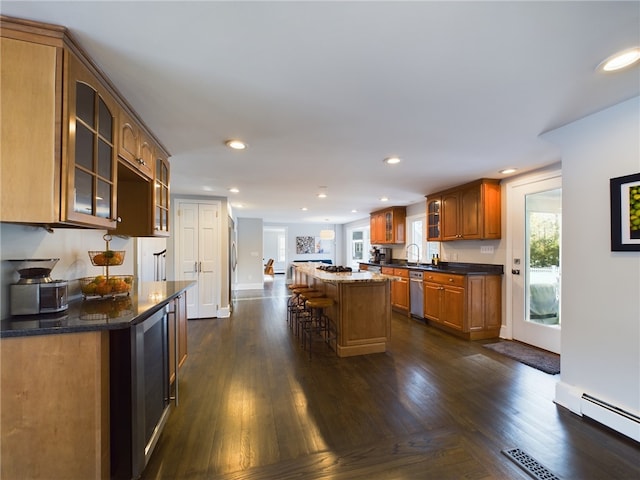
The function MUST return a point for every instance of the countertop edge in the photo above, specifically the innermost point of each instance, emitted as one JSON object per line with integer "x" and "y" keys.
{"x": 448, "y": 267}
{"x": 182, "y": 286}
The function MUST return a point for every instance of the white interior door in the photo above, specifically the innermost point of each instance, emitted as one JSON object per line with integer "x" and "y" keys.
{"x": 197, "y": 243}
{"x": 187, "y": 243}
{"x": 535, "y": 210}
{"x": 207, "y": 269}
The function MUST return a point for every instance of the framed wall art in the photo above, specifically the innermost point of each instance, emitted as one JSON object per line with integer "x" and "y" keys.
{"x": 625, "y": 213}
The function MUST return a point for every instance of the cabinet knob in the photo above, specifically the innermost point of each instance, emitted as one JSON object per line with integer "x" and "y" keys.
{"x": 451, "y": 279}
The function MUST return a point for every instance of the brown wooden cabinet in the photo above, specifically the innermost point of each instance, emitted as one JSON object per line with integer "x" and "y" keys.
{"x": 177, "y": 324}
{"x": 399, "y": 288}
{"x": 433, "y": 218}
{"x": 143, "y": 204}
{"x": 55, "y": 391}
{"x": 161, "y": 195}
{"x": 59, "y": 149}
{"x": 467, "y": 305}
{"x": 134, "y": 146}
{"x": 69, "y": 127}
{"x": 468, "y": 212}
{"x": 388, "y": 226}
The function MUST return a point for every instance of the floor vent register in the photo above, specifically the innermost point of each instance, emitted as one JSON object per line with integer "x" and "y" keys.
{"x": 529, "y": 464}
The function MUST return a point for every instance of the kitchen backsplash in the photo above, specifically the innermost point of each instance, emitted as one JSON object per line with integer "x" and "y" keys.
{"x": 67, "y": 244}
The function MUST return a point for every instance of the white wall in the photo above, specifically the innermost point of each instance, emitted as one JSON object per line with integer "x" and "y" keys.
{"x": 250, "y": 270}
{"x": 68, "y": 244}
{"x": 600, "y": 288}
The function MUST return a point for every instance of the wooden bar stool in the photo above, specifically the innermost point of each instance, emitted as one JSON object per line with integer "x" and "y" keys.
{"x": 303, "y": 314}
{"x": 295, "y": 303}
{"x": 319, "y": 324}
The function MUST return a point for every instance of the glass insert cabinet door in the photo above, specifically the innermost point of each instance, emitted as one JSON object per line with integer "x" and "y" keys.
{"x": 91, "y": 156}
{"x": 161, "y": 195}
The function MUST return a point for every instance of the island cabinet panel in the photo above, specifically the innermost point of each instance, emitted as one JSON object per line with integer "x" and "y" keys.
{"x": 361, "y": 310}
{"x": 466, "y": 305}
{"x": 55, "y": 406}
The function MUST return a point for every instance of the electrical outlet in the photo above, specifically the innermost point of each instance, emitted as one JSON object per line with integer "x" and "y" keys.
{"x": 486, "y": 249}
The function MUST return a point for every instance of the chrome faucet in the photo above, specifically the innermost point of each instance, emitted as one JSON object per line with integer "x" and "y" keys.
{"x": 417, "y": 247}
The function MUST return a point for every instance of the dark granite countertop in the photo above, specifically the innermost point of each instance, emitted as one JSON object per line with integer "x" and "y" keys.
{"x": 446, "y": 267}
{"x": 97, "y": 314}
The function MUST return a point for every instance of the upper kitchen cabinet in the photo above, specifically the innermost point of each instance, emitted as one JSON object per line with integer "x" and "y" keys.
{"x": 161, "y": 197}
{"x": 69, "y": 127}
{"x": 134, "y": 146}
{"x": 468, "y": 212}
{"x": 388, "y": 226}
{"x": 433, "y": 218}
{"x": 143, "y": 204}
{"x": 58, "y": 151}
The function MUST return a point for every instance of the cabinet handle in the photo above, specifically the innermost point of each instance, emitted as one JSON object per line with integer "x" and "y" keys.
{"x": 195, "y": 267}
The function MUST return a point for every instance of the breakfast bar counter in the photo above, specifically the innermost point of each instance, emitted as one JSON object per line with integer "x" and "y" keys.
{"x": 361, "y": 309}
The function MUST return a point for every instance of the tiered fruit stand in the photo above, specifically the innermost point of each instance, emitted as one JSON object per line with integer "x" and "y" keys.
{"x": 106, "y": 285}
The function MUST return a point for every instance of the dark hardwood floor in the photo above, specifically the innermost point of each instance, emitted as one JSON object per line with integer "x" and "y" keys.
{"x": 253, "y": 406}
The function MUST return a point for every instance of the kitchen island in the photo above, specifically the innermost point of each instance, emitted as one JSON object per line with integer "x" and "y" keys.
{"x": 361, "y": 309}
{"x": 59, "y": 385}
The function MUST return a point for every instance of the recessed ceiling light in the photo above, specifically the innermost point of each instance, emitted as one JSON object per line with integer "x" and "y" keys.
{"x": 236, "y": 144}
{"x": 354, "y": 211}
{"x": 391, "y": 160}
{"x": 322, "y": 195}
{"x": 238, "y": 205}
{"x": 304, "y": 209}
{"x": 620, "y": 60}
{"x": 234, "y": 190}
{"x": 384, "y": 199}
{"x": 507, "y": 171}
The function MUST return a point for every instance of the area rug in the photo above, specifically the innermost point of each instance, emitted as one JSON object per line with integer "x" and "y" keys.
{"x": 542, "y": 360}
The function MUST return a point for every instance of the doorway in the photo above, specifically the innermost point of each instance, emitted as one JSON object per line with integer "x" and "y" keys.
{"x": 536, "y": 229}
{"x": 358, "y": 246}
{"x": 274, "y": 246}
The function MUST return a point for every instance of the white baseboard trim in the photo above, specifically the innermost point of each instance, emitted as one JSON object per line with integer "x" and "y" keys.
{"x": 622, "y": 421}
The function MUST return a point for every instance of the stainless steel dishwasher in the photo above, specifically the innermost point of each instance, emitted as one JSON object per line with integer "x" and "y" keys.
{"x": 415, "y": 294}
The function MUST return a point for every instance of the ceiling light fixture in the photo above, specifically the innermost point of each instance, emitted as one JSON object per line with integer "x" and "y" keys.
{"x": 323, "y": 192}
{"x": 507, "y": 171}
{"x": 236, "y": 144}
{"x": 620, "y": 60}
{"x": 327, "y": 234}
{"x": 234, "y": 190}
{"x": 322, "y": 195}
{"x": 304, "y": 209}
{"x": 384, "y": 199}
{"x": 391, "y": 160}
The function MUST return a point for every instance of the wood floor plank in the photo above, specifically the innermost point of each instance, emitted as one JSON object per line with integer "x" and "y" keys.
{"x": 254, "y": 406}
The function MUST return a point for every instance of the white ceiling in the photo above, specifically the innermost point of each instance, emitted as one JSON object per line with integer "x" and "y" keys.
{"x": 324, "y": 91}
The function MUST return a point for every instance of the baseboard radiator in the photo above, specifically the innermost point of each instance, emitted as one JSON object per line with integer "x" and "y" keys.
{"x": 614, "y": 417}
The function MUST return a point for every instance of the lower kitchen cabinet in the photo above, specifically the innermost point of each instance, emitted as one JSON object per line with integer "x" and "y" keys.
{"x": 399, "y": 288}
{"x": 177, "y": 324}
{"x": 54, "y": 406}
{"x": 466, "y": 305}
